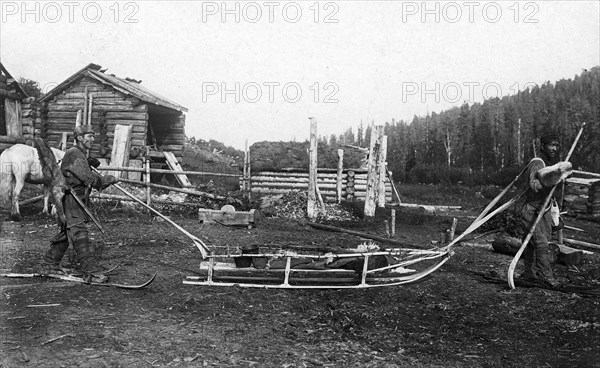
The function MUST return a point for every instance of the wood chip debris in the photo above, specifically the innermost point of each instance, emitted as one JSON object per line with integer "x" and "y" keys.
{"x": 57, "y": 338}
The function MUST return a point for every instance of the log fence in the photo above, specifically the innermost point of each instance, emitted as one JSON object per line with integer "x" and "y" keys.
{"x": 353, "y": 183}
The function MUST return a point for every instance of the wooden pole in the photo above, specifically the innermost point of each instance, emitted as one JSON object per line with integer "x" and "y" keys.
{"x": 453, "y": 229}
{"x": 312, "y": 171}
{"x": 89, "y": 114}
{"x": 393, "y": 222}
{"x": 340, "y": 170}
{"x": 89, "y": 110}
{"x": 319, "y": 195}
{"x": 581, "y": 243}
{"x": 381, "y": 168}
{"x": 246, "y": 179}
{"x": 519, "y": 155}
{"x": 63, "y": 141}
{"x": 115, "y": 197}
{"x": 85, "y": 107}
{"x": 162, "y": 171}
{"x": 147, "y": 177}
{"x": 199, "y": 244}
{"x": 391, "y": 177}
{"x": 363, "y": 235}
{"x": 179, "y": 190}
{"x": 371, "y": 192}
{"x": 77, "y": 123}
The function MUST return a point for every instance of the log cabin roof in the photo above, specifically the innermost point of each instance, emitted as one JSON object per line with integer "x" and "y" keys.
{"x": 11, "y": 83}
{"x": 127, "y": 86}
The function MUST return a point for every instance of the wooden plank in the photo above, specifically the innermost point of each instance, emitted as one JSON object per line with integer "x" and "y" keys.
{"x": 174, "y": 165}
{"x": 12, "y": 113}
{"x": 240, "y": 218}
{"x": 120, "y": 149}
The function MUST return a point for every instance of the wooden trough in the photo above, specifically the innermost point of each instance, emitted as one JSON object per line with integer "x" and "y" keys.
{"x": 228, "y": 216}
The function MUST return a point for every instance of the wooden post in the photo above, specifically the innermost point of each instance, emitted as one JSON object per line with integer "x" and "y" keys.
{"x": 248, "y": 171}
{"x": 147, "y": 163}
{"x": 393, "y": 222}
{"x": 89, "y": 116}
{"x": 77, "y": 123}
{"x": 63, "y": 141}
{"x": 89, "y": 111}
{"x": 381, "y": 166}
{"x": 312, "y": 171}
{"x": 453, "y": 229}
{"x": 245, "y": 179}
{"x": 340, "y": 169}
{"x": 519, "y": 155}
{"x": 85, "y": 107}
{"x": 371, "y": 192}
{"x": 559, "y": 236}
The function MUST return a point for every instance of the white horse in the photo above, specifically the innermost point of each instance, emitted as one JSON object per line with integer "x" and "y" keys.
{"x": 19, "y": 164}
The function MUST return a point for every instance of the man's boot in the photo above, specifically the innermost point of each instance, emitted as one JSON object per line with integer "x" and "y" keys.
{"x": 87, "y": 260}
{"x": 528, "y": 259}
{"x": 54, "y": 255}
{"x": 543, "y": 265}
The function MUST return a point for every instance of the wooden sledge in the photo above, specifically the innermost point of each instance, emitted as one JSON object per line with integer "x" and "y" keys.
{"x": 314, "y": 273}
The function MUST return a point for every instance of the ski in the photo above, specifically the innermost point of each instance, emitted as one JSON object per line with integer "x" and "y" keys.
{"x": 81, "y": 280}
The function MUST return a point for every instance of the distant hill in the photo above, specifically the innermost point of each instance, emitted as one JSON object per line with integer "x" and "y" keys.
{"x": 198, "y": 154}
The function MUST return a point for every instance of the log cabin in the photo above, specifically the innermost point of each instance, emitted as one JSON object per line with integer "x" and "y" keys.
{"x": 106, "y": 101}
{"x": 13, "y": 100}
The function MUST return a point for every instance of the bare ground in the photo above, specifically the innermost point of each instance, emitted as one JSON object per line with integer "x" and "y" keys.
{"x": 453, "y": 319}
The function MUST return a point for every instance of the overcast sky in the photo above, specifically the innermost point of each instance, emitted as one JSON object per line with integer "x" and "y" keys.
{"x": 258, "y": 70}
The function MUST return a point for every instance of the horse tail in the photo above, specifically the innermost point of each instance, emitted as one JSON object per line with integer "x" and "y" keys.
{"x": 6, "y": 178}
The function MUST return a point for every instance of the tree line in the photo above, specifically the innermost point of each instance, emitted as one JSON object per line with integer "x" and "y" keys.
{"x": 481, "y": 143}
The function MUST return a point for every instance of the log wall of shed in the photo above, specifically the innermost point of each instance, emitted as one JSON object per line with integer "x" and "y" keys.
{"x": 109, "y": 108}
{"x": 16, "y": 117}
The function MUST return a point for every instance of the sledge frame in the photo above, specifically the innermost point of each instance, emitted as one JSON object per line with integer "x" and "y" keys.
{"x": 325, "y": 278}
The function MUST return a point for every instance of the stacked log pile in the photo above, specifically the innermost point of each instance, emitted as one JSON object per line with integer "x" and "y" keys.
{"x": 354, "y": 183}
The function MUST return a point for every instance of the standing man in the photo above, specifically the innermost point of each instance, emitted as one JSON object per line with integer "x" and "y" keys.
{"x": 79, "y": 176}
{"x": 537, "y": 256}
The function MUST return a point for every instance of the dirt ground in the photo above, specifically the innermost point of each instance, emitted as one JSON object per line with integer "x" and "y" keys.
{"x": 454, "y": 318}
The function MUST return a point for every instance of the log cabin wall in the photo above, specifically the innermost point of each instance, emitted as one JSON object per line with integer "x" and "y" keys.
{"x": 11, "y": 111}
{"x": 109, "y": 108}
{"x": 30, "y": 111}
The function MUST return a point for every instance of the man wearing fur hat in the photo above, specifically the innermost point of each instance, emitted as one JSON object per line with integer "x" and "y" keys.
{"x": 79, "y": 176}
{"x": 541, "y": 175}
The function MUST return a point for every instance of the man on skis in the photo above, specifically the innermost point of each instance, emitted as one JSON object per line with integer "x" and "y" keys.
{"x": 79, "y": 176}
